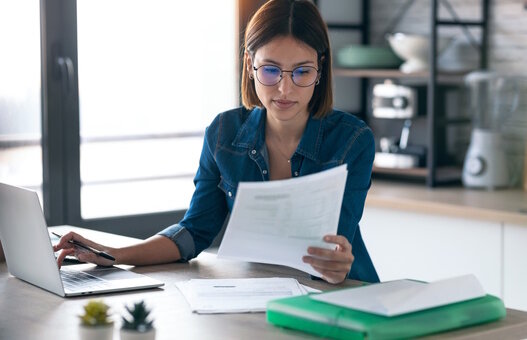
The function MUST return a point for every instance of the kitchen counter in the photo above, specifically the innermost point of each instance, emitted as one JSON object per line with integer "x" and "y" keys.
{"x": 505, "y": 206}
{"x": 428, "y": 234}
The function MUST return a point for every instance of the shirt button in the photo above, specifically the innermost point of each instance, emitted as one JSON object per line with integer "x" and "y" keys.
{"x": 253, "y": 152}
{"x": 230, "y": 194}
{"x": 264, "y": 172}
{"x": 296, "y": 173}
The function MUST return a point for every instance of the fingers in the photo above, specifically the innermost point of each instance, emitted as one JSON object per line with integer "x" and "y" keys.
{"x": 64, "y": 242}
{"x": 332, "y": 272}
{"x": 63, "y": 254}
{"x": 70, "y": 236}
{"x": 80, "y": 253}
{"x": 333, "y": 264}
{"x": 330, "y": 254}
{"x": 339, "y": 240}
{"x": 87, "y": 256}
{"x": 324, "y": 264}
{"x": 341, "y": 253}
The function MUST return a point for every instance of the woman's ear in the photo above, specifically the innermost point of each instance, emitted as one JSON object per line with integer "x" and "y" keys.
{"x": 248, "y": 64}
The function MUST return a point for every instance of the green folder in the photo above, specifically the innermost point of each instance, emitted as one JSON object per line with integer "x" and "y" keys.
{"x": 331, "y": 321}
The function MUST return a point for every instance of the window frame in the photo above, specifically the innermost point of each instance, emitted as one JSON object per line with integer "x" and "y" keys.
{"x": 61, "y": 132}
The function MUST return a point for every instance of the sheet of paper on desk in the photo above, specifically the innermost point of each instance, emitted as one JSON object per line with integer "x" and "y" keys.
{"x": 276, "y": 221}
{"x": 405, "y": 296}
{"x": 208, "y": 296}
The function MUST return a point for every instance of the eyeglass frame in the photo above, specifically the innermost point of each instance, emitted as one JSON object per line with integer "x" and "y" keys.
{"x": 316, "y": 81}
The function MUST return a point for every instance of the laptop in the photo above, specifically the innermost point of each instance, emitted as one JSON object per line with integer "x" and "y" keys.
{"x": 29, "y": 253}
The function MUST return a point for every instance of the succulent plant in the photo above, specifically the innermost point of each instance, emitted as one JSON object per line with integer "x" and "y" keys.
{"x": 95, "y": 314}
{"x": 137, "y": 318}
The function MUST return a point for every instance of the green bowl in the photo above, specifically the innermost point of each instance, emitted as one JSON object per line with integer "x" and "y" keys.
{"x": 364, "y": 56}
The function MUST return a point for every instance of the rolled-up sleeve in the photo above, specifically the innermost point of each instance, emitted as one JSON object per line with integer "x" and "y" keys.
{"x": 183, "y": 240}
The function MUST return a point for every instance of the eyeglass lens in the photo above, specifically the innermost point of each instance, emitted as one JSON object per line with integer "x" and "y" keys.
{"x": 271, "y": 75}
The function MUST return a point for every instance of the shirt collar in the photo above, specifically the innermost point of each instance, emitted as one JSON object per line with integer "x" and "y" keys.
{"x": 252, "y": 134}
{"x": 252, "y": 131}
{"x": 309, "y": 145}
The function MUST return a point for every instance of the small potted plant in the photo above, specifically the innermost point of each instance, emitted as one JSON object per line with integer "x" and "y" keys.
{"x": 136, "y": 324}
{"x": 96, "y": 322}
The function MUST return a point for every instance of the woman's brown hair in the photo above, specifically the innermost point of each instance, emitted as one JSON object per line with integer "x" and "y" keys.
{"x": 301, "y": 20}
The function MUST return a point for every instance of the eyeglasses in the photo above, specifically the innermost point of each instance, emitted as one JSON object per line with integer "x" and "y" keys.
{"x": 302, "y": 76}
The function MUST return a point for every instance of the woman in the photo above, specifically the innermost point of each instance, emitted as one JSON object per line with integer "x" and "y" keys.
{"x": 286, "y": 128}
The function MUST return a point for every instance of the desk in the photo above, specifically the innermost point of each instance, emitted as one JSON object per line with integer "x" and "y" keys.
{"x": 28, "y": 312}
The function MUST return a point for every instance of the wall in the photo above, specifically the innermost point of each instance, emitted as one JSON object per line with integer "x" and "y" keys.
{"x": 507, "y": 50}
{"x": 508, "y": 26}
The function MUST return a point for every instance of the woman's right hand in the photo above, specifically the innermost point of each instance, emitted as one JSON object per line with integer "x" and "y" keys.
{"x": 84, "y": 255}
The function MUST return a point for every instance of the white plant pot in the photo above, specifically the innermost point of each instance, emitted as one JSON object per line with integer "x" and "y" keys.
{"x": 127, "y": 334}
{"x": 96, "y": 332}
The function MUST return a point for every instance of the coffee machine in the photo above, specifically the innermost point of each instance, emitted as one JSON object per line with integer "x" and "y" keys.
{"x": 401, "y": 105}
{"x": 492, "y": 99}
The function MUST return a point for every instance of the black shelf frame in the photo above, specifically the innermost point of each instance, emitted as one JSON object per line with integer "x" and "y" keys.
{"x": 433, "y": 175}
{"x": 363, "y": 28}
{"x": 432, "y": 178}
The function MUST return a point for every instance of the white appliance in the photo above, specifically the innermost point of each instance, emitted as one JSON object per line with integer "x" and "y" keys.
{"x": 492, "y": 98}
{"x": 394, "y": 101}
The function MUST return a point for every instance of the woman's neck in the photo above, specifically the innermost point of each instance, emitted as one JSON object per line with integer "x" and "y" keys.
{"x": 286, "y": 132}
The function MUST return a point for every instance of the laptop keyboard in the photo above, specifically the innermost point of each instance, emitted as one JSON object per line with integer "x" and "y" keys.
{"x": 80, "y": 280}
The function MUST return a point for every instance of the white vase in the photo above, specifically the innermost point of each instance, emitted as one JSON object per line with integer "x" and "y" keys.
{"x": 127, "y": 334}
{"x": 96, "y": 332}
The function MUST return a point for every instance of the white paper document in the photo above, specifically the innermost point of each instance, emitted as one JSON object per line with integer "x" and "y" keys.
{"x": 405, "y": 296}
{"x": 209, "y": 296}
{"x": 276, "y": 221}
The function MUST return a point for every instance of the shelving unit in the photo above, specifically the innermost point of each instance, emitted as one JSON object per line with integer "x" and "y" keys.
{"x": 442, "y": 78}
{"x": 433, "y": 177}
{"x": 363, "y": 28}
{"x": 432, "y": 173}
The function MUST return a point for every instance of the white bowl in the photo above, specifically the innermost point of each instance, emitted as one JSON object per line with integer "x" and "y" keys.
{"x": 414, "y": 49}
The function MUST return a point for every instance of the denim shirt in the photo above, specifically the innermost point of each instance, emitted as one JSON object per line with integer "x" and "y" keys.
{"x": 234, "y": 151}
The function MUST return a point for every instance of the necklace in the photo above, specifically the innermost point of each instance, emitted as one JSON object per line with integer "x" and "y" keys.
{"x": 283, "y": 155}
{"x": 277, "y": 148}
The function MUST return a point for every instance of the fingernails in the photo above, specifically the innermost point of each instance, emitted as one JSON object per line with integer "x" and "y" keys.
{"x": 326, "y": 238}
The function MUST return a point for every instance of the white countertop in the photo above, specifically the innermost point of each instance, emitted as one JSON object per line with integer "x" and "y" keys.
{"x": 507, "y": 206}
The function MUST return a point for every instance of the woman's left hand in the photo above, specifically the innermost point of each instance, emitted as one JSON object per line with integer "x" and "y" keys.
{"x": 334, "y": 265}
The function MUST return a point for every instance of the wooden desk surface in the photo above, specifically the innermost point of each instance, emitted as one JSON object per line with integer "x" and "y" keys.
{"x": 28, "y": 312}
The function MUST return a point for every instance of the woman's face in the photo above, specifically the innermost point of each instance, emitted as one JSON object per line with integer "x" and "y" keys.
{"x": 285, "y": 101}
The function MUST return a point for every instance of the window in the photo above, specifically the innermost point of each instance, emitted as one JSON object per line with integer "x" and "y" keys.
{"x": 20, "y": 122}
{"x": 152, "y": 75}
{"x": 108, "y": 124}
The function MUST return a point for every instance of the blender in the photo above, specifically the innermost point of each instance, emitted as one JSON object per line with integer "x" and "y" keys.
{"x": 492, "y": 99}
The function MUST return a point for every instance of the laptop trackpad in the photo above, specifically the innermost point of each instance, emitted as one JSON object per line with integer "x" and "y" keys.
{"x": 111, "y": 273}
